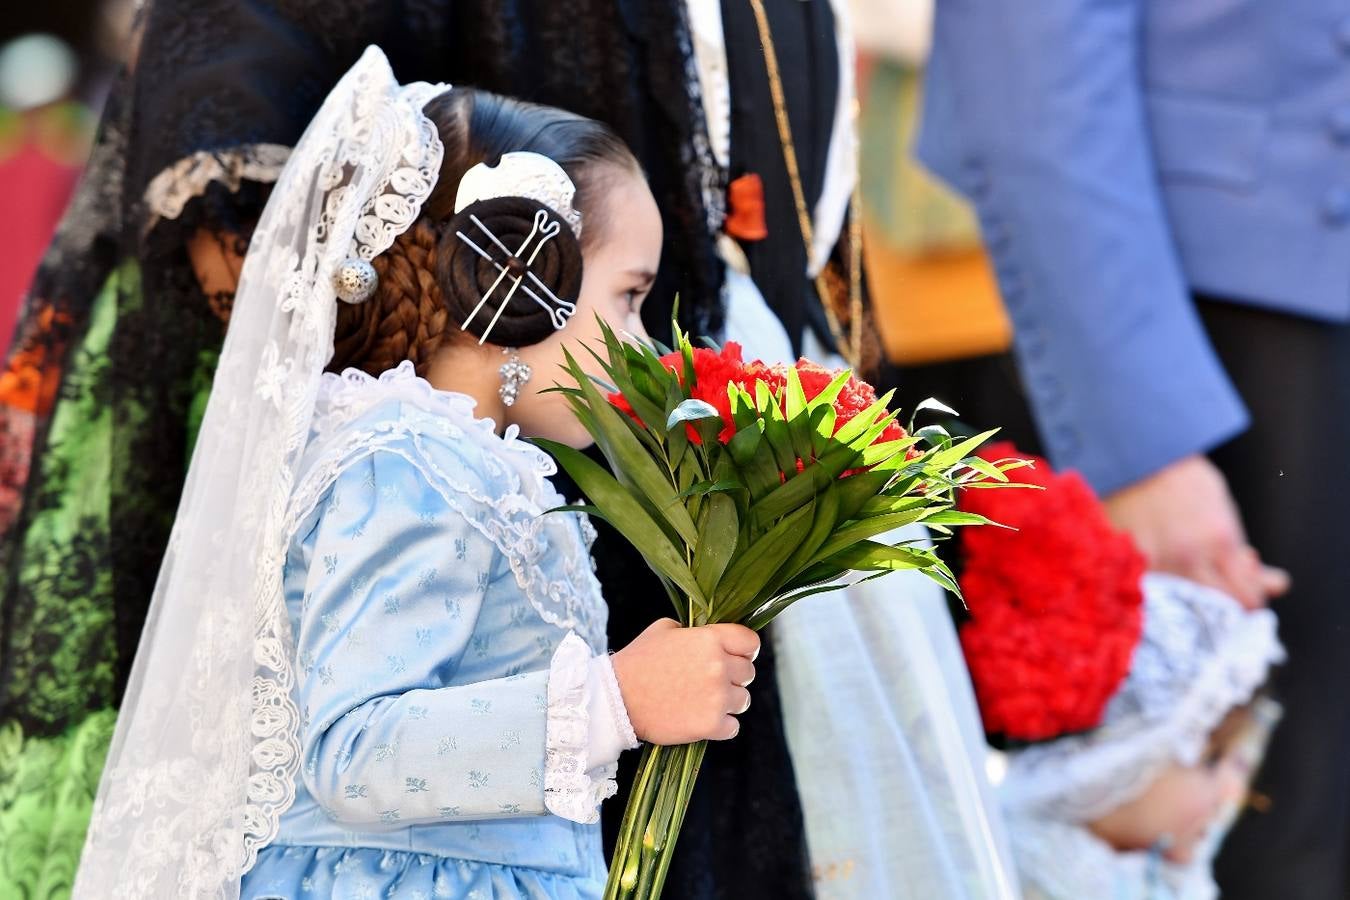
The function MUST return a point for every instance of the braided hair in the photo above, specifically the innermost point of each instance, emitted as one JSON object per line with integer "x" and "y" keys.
{"x": 431, "y": 282}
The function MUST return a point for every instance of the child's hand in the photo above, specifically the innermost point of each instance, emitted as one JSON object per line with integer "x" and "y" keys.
{"x": 687, "y": 684}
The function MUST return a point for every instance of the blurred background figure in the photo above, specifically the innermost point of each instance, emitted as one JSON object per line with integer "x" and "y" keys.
{"x": 1163, "y": 190}
{"x": 935, "y": 297}
{"x": 56, "y": 60}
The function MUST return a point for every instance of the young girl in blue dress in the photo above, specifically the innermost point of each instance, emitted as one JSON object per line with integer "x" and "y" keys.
{"x": 435, "y": 714}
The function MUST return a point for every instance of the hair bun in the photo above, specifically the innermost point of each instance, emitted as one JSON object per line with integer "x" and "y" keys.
{"x": 466, "y": 277}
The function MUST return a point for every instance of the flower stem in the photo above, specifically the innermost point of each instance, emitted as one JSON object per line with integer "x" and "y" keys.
{"x": 693, "y": 759}
{"x": 652, "y": 821}
{"x": 623, "y": 870}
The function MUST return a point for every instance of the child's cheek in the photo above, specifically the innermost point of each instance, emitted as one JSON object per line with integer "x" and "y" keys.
{"x": 636, "y": 328}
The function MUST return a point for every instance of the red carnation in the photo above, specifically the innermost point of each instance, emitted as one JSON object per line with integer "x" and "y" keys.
{"x": 714, "y": 370}
{"x": 1055, "y": 606}
{"x": 855, "y": 396}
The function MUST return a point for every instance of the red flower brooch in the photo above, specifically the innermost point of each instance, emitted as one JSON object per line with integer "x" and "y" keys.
{"x": 1055, "y": 606}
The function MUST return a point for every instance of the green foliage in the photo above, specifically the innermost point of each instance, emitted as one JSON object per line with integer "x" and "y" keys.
{"x": 789, "y": 507}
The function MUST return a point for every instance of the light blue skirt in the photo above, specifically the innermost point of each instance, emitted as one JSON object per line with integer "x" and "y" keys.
{"x": 362, "y": 873}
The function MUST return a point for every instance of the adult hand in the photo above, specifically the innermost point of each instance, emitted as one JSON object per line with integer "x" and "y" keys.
{"x": 1185, "y": 521}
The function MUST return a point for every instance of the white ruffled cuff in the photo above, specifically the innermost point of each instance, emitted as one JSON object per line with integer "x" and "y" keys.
{"x": 610, "y": 731}
{"x": 586, "y": 722}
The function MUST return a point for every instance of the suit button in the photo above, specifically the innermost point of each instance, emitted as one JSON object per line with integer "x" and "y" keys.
{"x": 1338, "y": 123}
{"x": 1336, "y": 207}
{"x": 1343, "y": 35}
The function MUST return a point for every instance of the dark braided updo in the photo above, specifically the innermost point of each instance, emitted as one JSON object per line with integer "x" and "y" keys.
{"x": 431, "y": 280}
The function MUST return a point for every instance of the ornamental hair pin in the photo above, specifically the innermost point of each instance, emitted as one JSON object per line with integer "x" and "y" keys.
{"x": 355, "y": 280}
{"x": 522, "y": 174}
{"x": 517, "y": 269}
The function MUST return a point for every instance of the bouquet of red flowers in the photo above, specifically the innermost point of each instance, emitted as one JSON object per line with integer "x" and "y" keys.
{"x": 747, "y": 487}
{"x": 1055, "y": 602}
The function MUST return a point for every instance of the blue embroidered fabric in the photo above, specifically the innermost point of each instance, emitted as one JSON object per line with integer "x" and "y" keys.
{"x": 432, "y": 609}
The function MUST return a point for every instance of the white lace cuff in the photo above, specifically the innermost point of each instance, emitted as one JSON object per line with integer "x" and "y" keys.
{"x": 572, "y": 788}
{"x": 610, "y": 732}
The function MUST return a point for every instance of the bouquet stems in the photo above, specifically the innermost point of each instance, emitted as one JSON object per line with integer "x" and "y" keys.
{"x": 652, "y": 820}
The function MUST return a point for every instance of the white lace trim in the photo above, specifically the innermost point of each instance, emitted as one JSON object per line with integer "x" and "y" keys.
{"x": 203, "y": 761}
{"x": 569, "y": 790}
{"x": 169, "y": 192}
{"x": 434, "y": 425}
{"x": 1151, "y": 722}
{"x": 710, "y": 53}
{"x": 841, "y": 160}
{"x": 346, "y": 397}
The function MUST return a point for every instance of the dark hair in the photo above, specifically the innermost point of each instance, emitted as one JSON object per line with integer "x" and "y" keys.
{"x": 430, "y": 280}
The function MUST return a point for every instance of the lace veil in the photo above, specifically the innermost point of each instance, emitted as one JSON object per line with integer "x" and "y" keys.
{"x": 203, "y": 760}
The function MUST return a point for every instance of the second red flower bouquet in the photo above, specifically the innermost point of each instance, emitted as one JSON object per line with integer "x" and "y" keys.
{"x": 747, "y": 487}
{"x": 1056, "y": 605}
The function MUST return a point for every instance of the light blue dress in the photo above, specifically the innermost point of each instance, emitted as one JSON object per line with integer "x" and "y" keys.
{"x": 443, "y": 628}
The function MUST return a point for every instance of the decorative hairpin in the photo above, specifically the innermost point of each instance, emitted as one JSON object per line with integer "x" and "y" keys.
{"x": 517, "y": 268}
{"x": 355, "y": 280}
{"x": 522, "y": 174}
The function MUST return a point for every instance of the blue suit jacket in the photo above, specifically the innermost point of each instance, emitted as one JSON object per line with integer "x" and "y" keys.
{"x": 1123, "y": 153}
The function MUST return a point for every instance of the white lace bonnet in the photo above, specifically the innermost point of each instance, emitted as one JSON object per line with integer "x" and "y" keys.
{"x": 1200, "y": 655}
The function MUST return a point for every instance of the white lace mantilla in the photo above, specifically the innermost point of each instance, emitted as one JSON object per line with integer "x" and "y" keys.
{"x": 1200, "y": 656}
{"x": 203, "y": 760}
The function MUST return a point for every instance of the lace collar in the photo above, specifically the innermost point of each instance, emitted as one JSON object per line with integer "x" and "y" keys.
{"x": 467, "y": 461}
{"x": 347, "y": 397}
